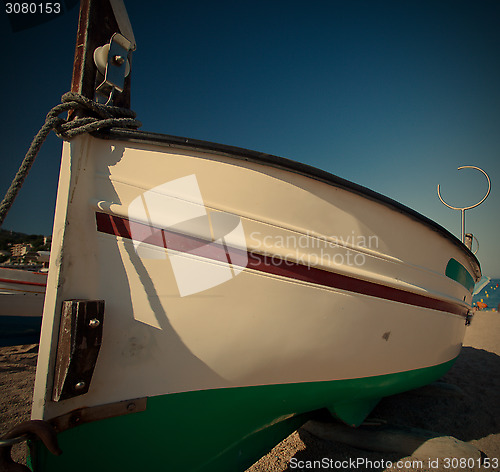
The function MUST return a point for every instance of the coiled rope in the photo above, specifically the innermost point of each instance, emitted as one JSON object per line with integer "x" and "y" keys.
{"x": 103, "y": 116}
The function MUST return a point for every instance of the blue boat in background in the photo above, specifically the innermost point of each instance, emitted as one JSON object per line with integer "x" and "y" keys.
{"x": 487, "y": 294}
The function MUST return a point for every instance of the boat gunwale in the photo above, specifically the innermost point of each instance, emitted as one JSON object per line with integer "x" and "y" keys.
{"x": 158, "y": 139}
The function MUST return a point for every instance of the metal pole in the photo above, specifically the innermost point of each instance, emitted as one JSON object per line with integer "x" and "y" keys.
{"x": 462, "y": 209}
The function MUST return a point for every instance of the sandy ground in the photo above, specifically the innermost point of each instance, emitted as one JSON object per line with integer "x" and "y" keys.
{"x": 473, "y": 417}
{"x": 17, "y": 377}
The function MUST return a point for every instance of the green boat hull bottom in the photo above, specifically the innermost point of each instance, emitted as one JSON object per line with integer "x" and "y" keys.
{"x": 219, "y": 424}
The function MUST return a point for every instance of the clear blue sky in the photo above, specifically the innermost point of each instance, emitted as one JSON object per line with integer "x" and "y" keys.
{"x": 391, "y": 95}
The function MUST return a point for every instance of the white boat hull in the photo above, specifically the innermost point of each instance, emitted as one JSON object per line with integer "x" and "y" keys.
{"x": 22, "y": 295}
{"x": 21, "y": 304}
{"x": 222, "y": 271}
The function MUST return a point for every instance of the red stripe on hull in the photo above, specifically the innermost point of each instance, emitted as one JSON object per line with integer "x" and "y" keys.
{"x": 268, "y": 264}
{"x": 23, "y": 282}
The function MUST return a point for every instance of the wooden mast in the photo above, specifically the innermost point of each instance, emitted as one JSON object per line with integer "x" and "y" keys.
{"x": 96, "y": 25}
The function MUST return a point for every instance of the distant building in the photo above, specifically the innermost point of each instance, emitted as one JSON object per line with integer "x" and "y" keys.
{"x": 20, "y": 250}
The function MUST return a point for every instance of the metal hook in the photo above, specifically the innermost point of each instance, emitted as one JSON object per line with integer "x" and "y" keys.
{"x": 462, "y": 209}
{"x": 35, "y": 428}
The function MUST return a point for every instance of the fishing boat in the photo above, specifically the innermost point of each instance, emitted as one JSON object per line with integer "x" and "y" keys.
{"x": 204, "y": 301}
{"x": 22, "y": 293}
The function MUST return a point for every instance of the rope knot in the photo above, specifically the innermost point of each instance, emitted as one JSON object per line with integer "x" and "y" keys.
{"x": 101, "y": 116}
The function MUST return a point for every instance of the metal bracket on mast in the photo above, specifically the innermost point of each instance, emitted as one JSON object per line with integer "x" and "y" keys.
{"x": 113, "y": 62}
{"x": 98, "y": 22}
{"x": 462, "y": 209}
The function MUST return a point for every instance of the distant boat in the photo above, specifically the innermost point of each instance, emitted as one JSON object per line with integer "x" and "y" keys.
{"x": 22, "y": 294}
{"x": 208, "y": 297}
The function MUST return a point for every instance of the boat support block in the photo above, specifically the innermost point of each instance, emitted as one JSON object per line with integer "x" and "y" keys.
{"x": 80, "y": 337}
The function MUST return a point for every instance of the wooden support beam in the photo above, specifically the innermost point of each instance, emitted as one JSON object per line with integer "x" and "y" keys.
{"x": 96, "y": 26}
